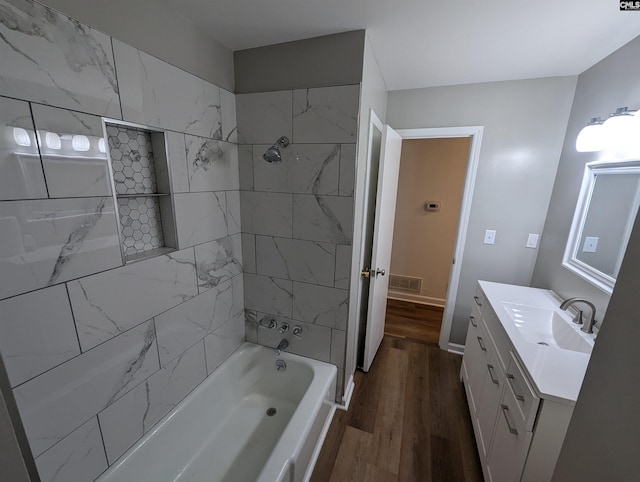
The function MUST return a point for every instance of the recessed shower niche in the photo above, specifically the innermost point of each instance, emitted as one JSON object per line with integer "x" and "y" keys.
{"x": 141, "y": 185}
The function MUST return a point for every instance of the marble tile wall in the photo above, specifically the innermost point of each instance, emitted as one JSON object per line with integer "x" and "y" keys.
{"x": 98, "y": 350}
{"x": 297, "y": 216}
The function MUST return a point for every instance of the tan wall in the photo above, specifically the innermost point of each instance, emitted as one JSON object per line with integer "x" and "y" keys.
{"x": 423, "y": 241}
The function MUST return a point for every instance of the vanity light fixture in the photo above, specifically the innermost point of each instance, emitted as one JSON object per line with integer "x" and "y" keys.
{"x": 53, "y": 140}
{"x": 80, "y": 143}
{"x": 591, "y": 137}
{"x": 21, "y": 136}
{"x": 619, "y": 131}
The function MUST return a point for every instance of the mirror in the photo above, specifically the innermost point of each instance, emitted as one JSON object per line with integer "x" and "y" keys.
{"x": 603, "y": 220}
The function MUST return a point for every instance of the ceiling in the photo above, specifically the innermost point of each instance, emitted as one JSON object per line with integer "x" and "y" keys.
{"x": 424, "y": 43}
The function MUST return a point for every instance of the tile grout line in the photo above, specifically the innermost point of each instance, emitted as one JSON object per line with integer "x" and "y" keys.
{"x": 73, "y": 318}
{"x": 35, "y": 132}
{"x": 115, "y": 71}
{"x": 104, "y": 445}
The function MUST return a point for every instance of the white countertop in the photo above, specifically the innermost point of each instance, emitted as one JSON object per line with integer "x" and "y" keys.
{"x": 555, "y": 373}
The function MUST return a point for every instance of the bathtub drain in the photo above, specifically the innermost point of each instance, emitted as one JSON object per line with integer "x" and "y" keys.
{"x": 271, "y": 411}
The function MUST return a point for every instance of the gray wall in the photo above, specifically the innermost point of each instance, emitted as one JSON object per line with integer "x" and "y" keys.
{"x": 317, "y": 62}
{"x": 602, "y": 442}
{"x": 609, "y": 84}
{"x": 153, "y": 28}
{"x": 524, "y": 125}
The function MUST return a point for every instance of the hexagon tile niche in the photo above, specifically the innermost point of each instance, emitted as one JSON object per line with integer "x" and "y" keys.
{"x": 134, "y": 176}
{"x": 141, "y": 224}
{"x": 131, "y": 160}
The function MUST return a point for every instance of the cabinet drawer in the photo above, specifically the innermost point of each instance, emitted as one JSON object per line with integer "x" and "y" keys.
{"x": 499, "y": 337}
{"x": 480, "y": 299}
{"x": 526, "y": 401}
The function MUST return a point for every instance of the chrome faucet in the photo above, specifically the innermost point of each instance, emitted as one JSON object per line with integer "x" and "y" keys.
{"x": 284, "y": 343}
{"x": 587, "y": 326}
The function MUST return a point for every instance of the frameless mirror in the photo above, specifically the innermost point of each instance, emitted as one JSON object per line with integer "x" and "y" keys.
{"x": 602, "y": 222}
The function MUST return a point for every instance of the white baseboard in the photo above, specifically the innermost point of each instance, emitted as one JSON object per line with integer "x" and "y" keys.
{"x": 456, "y": 348}
{"x": 423, "y": 300}
{"x": 346, "y": 399}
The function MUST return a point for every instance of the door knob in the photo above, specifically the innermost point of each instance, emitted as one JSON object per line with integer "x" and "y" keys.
{"x": 380, "y": 272}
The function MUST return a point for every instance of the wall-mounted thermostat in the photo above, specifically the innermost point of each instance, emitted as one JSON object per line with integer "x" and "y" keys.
{"x": 432, "y": 206}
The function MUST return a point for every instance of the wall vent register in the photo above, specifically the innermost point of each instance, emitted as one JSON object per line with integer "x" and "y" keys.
{"x": 405, "y": 283}
{"x": 141, "y": 185}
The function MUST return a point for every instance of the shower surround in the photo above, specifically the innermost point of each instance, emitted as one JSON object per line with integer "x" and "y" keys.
{"x": 97, "y": 351}
{"x": 297, "y": 216}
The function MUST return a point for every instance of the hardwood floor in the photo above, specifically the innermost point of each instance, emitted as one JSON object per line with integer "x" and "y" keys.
{"x": 413, "y": 320}
{"x": 408, "y": 421}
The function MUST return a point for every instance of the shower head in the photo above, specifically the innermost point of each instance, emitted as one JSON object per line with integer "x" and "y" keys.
{"x": 273, "y": 153}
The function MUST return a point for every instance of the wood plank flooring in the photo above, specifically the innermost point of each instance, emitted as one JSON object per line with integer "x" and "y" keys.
{"x": 414, "y": 321}
{"x": 408, "y": 421}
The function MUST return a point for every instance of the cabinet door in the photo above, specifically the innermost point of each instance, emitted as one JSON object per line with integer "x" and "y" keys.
{"x": 510, "y": 442}
{"x": 474, "y": 359}
{"x": 490, "y": 407}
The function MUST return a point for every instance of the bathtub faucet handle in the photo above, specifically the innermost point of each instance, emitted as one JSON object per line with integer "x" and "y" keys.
{"x": 284, "y": 327}
{"x": 269, "y": 323}
{"x": 297, "y": 331}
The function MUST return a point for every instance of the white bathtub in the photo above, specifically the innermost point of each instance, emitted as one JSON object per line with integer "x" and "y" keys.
{"x": 221, "y": 431}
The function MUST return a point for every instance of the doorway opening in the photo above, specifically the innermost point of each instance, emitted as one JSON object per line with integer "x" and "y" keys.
{"x": 367, "y": 315}
{"x": 428, "y": 203}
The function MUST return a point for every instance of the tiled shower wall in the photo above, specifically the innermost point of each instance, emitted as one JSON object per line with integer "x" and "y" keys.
{"x": 297, "y": 216}
{"x": 98, "y": 351}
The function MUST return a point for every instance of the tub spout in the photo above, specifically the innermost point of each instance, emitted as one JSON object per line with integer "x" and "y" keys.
{"x": 282, "y": 346}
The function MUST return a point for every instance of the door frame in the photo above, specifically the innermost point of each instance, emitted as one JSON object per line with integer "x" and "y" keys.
{"x": 362, "y": 173}
{"x": 475, "y": 133}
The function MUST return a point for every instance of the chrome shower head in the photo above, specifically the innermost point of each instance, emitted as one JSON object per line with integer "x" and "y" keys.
{"x": 273, "y": 153}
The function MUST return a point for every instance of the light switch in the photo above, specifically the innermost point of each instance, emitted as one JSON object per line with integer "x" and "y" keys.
{"x": 490, "y": 236}
{"x": 590, "y": 244}
{"x": 532, "y": 240}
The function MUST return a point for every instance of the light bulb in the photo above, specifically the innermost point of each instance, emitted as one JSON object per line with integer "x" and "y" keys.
{"x": 621, "y": 129}
{"x": 21, "y": 136}
{"x": 591, "y": 137}
{"x": 53, "y": 140}
{"x": 101, "y": 145}
{"x": 80, "y": 143}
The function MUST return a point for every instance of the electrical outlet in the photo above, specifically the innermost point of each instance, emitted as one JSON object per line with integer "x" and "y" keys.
{"x": 590, "y": 244}
{"x": 532, "y": 240}
{"x": 490, "y": 236}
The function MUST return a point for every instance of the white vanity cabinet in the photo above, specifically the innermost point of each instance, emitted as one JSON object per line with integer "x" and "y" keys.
{"x": 518, "y": 432}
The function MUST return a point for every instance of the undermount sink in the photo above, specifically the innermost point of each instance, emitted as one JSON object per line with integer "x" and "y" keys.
{"x": 547, "y": 327}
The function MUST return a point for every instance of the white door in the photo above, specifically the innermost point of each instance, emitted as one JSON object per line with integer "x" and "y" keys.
{"x": 378, "y": 269}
